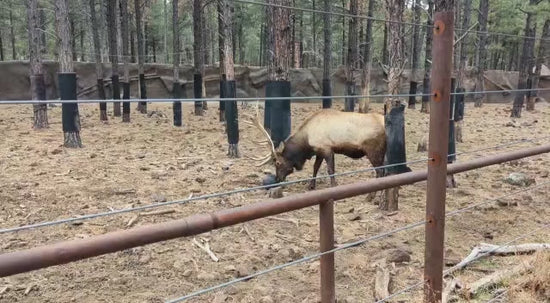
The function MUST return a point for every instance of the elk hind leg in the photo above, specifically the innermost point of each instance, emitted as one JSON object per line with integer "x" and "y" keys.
{"x": 376, "y": 160}
{"x": 316, "y": 166}
{"x": 330, "y": 167}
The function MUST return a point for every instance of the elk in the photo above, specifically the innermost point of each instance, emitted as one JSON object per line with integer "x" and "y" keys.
{"x": 323, "y": 134}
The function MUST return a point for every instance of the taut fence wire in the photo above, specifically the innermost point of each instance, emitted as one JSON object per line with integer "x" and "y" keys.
{"x": 243, "y": 190}
{"x": 255, "y": 99}
{"x": 448, "y": 271}
{"x": 359, "y": 243}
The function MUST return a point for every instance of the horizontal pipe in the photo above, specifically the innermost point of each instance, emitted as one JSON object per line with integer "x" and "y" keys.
{"x": 73, "y": 250}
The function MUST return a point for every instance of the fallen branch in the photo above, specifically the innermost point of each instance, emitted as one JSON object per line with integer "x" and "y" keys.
{"x": 495, "y": 278}
{"x": 485, "y": 249}
{"x": 159, "y": 212}
{"x": 449, "y": 288}
{"x": 135, "y": 218}
{"x": 132, "y": 221}
{"x": 206, "y": 248}
{"x": 64, "y": 174}
{"x": 245, "y": 229}
{"x": 284, "y": 238}
{"x": 295, "y": 222}
{"x": 125, "y": 191}
{"x": 5, "y": 289}
{"x": 29, "y": 289}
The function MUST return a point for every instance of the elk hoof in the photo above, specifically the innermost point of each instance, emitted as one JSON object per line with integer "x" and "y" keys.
{"x": 311, "y": 185}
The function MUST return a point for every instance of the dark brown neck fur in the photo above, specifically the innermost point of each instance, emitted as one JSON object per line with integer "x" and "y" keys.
{"x": 297, "y": 151}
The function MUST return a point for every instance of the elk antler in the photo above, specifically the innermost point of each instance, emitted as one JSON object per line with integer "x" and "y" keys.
{"x": 266, "y": 141}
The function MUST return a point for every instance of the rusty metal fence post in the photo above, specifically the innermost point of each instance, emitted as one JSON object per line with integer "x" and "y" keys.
{"x": 326, "y": 239}
{"x": 437, "y": 149}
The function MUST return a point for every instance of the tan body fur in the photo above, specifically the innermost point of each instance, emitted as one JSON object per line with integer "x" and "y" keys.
{"x": 328, "y": 132}
{"x": 343, "y": 132}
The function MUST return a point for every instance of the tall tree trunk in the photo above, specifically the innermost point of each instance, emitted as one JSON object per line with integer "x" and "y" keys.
{"x": 42, "y": 26}
{"x": 352, "y": 58}
{"x": 385, "y": 54}
{"x": 176, "y": 88}
{"x": 132, "y": 46}
{"x": 228, "y": 84}
{"x": 206, "y": 51}
{"x": 198, "y": 55}
{"x": 361, "y": 37}
{"x": 12, "y": 31}
{"x": 344, "y": 48}
{"x": 367, "y": 62}
{"x": 125, "y": 58}
{"x": 1, "y": 47}
{"x": 456, "y": 50}
{"x": 396, "y": 57}
{"x": 154, "y": 48}
{"x": 67, "y": 77}
{"x": 543, "y": 53}
{"x": 394, "y": 12}
{"x": 327, "y": 52}
{"x": 526, "y": 63}
{"x": 240, "y": 36}
{"x": 314, "y": 35}
{"x": 221, "y": 44}
{"x": 301, "y": 37}
{"x": 82, "y": 51}
{"x": 278, "y": 71}
{"x": 481, "y": 64}
{"x": 262, "y": 43}
{"x": 416, "y": 49}
{"x": 427, "y": 59}
{"x": 204, "y": 37}
{"x": 165, "y": 33}
{"x": 142, "y": 106}
{"x": 146, "y": 43}
{"x": 512, "y": 56}
{"x": 98, "y": 62}
{"x": 113, "y": 54}
{"x": 38, "y": 89}
{"x": 293, "y": 38}
{"x": 73, "y": 36}
{"x": 467, "y": 10}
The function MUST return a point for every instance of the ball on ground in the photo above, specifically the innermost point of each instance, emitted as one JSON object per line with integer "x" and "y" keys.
{"x": 269, "y": 179}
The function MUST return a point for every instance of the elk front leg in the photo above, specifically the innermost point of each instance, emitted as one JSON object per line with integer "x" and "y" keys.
{"x": 316, "y": 165}
{"x": 330, "y": 167}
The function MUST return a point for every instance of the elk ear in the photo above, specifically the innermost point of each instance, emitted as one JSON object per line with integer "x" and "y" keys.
{"x": 280, "y": 148}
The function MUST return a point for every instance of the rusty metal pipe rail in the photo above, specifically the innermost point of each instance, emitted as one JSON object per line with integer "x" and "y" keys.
{"x": 73, "y": 250}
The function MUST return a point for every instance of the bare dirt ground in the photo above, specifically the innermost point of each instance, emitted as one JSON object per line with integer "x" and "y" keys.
{"x": 148, "y": 160}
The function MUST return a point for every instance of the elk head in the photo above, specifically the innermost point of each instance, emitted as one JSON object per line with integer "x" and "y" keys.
{"x": 283, "y": 167}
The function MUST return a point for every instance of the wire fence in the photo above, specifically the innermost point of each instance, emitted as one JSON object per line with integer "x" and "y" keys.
{"x": 257, "y": 99}
{"x": 359, "y": 243}
{"x": 446, "y": 272}
{"x": 203, "y": 197}
{"x": 244, "y": 190}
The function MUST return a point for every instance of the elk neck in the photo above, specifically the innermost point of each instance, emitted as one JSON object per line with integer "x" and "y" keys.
{"x": 297, "y": 150}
